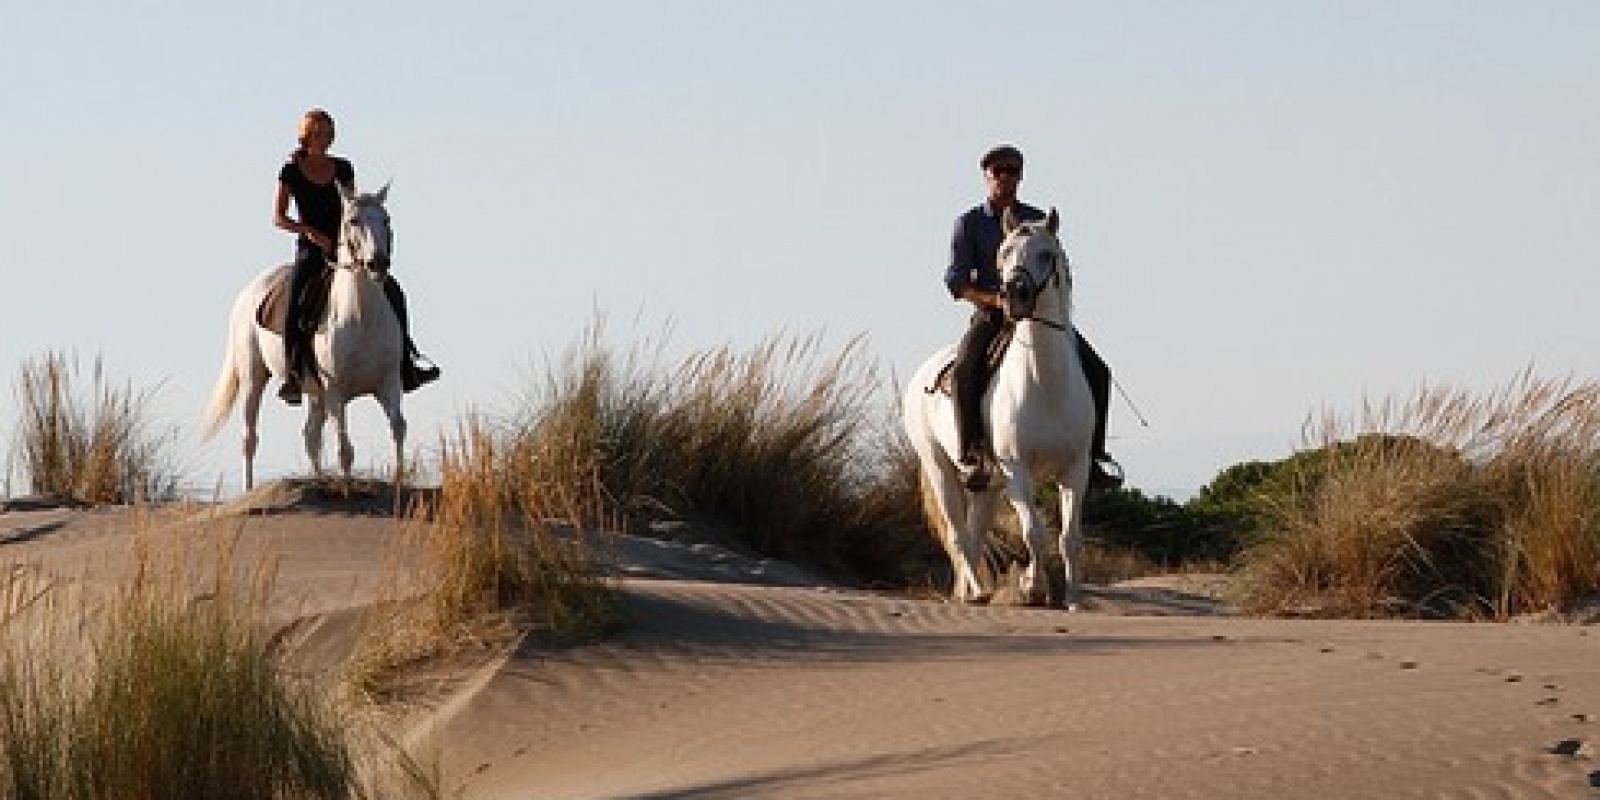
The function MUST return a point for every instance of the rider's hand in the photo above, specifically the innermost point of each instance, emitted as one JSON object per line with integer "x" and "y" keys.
{"x": 321, "y": 240}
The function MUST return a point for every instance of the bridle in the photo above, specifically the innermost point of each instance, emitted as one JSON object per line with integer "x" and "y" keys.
{"x": 352, "y": 230}
{"x": 1026, "y": 284}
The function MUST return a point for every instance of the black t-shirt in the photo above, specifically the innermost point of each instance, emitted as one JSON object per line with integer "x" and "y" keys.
{"x": 318, "y": 205}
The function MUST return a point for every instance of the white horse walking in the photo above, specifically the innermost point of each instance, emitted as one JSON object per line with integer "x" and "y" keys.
{"x": 1040, "y": 415}
{"x": 358, "y": 345}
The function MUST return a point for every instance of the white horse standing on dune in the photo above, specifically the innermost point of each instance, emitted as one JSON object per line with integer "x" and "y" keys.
{"x": 358, "y": 345}
{"x": 1039, "y": 413}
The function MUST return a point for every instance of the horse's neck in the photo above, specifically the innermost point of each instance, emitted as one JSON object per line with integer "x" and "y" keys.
{"x": 1044, "y": 353}
{"x": 351, "y": 297}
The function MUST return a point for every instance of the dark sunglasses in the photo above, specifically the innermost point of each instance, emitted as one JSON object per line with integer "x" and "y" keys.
{"x": 1006, "y": 170}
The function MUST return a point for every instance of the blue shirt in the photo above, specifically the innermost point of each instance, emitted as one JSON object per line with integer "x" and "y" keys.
{"x": 975, "y": 244}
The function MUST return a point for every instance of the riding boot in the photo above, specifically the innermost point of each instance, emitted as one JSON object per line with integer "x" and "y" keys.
{"x": 970, "y": 379}
{"x": 308, "y": 264}
{"x": 294, "y": 363}
{"x": 414, "y": 376}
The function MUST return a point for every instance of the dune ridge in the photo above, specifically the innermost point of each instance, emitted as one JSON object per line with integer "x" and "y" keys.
{"x": 741, "y": 677}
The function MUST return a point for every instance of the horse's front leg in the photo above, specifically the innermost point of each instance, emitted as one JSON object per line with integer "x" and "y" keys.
{"x": 316, "y": 415}
{"x": 981, "y": 507}
{"x": 949, "y": 503}
{"x": 390, "y": 400}
{"x": 1019, "y": 490}
{"x": 1072, "y": 492}
{"x": 347, "y": 451}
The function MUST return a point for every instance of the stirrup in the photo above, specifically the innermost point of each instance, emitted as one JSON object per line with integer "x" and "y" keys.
{"x": 1105, "y": 474}
{"x": 290, "y": 392}
{"x": 413, "y": 377}
{"x": 976, "y": 469}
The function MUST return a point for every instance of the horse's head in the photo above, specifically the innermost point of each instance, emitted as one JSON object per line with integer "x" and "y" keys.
{"x": 1032, "y": 264}
{"x": 366, "y": 240}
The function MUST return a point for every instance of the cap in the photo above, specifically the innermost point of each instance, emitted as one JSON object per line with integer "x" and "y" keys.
{"x": 1004, "y": 152}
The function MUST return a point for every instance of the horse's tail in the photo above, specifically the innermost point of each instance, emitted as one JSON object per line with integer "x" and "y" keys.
{"x": 222, "y": 397}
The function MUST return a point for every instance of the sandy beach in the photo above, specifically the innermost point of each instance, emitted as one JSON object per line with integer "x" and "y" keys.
{"x": 742, "y": 677}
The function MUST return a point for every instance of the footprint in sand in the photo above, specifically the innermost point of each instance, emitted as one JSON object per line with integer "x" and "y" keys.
{"x": 1572, "y": 748}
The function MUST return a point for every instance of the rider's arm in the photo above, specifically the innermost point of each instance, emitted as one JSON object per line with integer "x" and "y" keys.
{"x": 964, "y": 260}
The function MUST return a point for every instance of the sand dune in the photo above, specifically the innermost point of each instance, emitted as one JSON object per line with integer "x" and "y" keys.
{"x": 744, "y": 678}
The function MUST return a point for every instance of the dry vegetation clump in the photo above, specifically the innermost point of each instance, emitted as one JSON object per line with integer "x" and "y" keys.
{"x": 511, "y": 542}
{"x": 779, "y": 444}
{"x": 496, "y": 553}
{"x": 1449, "y": 505}
{"x": 96, "y": 450}
{"x": 162, "y": 690}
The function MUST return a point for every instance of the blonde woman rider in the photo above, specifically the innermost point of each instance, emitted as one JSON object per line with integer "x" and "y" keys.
{"x": 310, "y": 179}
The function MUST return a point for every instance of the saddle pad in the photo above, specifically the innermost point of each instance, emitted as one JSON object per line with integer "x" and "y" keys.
{"x": 944, "y": 382}
{"x": 274, "y": 309}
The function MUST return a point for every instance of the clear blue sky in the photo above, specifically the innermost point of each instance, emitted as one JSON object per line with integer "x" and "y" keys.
{"x": 1274, "y": 208}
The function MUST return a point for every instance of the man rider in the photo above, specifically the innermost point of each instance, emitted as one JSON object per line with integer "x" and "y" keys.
{"x": 973, "y": 276}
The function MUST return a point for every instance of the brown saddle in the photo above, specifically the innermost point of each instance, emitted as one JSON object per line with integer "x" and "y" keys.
{"x": 274, "y": 309}
{"x": 944, "y": 383}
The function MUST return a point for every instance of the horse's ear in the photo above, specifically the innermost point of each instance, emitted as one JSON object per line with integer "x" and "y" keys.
{"x": 1008, "y": 221}
{"x": 383, "y": 194}
{"x": 1052, "y": 223}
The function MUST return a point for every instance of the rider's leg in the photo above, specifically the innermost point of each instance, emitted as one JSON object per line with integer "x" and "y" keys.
{"x": 970, "y": 378}
{"x": 397, "y": 299}
{"x": 411, "y": 374}
{"x": 1105, "y": 472}
{"x": 307, "y": 263}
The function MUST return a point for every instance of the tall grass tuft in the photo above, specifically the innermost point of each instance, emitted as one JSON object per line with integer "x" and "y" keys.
{"x": 779, "y": 444}
{"x": 177, "y": 696}
{"x": 1446, "y": 505}
{"x": 510, "y": 542}
{"x": 99, "y": 449}
{"x": 497, "y": 553}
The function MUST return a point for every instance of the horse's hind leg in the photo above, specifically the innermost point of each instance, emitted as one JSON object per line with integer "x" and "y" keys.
{"x": 252, "y": 415}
